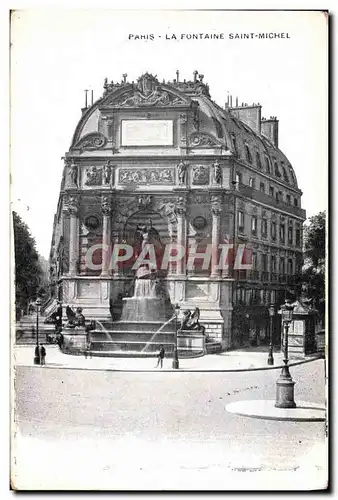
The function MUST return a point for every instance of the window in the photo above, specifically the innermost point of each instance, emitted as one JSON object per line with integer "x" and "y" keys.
{"x": 238, "y": 179}
{"x": 234, "y": 142}
{"x": 254, "y": 261}
{"x": 258, "y": 160}
{"x": 297, "y": 235}
{"x": 285, "y": 175}
{"x": 267, "y": 165}
{"x": 248, "y": 153}
{"x": 262, "y": 187}
{"x": 264, "y": 262}
{"x": 282, "y": 266}
{"x": 254, "y": 225}
{"x": 273, "y": 263}
{"x": 271, "y": 191}
{"x": 252, "y": 182}
{"x": 295, "y": 202}
{"x": 290, "y": 233}
{"x": 282, "y": 232}
{"x": 264, "y": 228}
{"x": 273, "y": 230}
{"x": 290, "y": 266}
{"x": 276, "y": 169}
{"x": 241, "y": 221}
{"x": 277, "y": 196}
{"x": 288, "y": 199}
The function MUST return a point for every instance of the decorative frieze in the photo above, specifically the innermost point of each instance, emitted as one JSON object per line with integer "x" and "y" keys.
{"x": 146, "y": 176}
{"x": 93, "y": 176}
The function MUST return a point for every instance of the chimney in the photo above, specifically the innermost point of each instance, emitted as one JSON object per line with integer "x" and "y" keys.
{"x": 250, "y": 115}
{"x": 269, "y": 128}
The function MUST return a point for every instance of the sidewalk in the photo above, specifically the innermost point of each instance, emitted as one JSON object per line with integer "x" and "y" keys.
{"x": 231, "y": 361}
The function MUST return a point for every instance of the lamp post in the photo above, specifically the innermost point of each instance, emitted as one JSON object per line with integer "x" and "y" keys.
{"x": 285, "y": 384}
{"x": 272, "y": 313}
{"x": 175, "y": 354}
{"x": 36, "y": 353}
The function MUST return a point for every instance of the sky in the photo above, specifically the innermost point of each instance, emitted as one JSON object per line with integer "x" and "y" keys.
{"x": 56, "y": 54}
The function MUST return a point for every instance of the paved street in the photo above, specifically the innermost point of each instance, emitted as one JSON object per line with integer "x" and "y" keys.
{"x": 162, "y": 430}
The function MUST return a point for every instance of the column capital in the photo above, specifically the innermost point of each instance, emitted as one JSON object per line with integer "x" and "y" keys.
{"x": 180, "y": 206}
{"x": 71, "y": 205}
{"x": 106, "y": 207}
{"x": 216, "y": 205}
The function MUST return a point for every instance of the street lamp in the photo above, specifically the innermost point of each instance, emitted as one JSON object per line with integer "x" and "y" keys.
{"x": 175, "y": 354}
{"x": 272, "y": 313}
{"x": 36, "y": 353}
{"x": 285, "y": 384}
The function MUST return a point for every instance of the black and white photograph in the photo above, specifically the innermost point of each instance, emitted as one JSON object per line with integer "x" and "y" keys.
{"x": 169, "y": 199}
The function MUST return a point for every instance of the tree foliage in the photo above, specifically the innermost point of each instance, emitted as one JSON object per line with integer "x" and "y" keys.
{"x": 313, "y": 276}
{"x": 27, "y": 267}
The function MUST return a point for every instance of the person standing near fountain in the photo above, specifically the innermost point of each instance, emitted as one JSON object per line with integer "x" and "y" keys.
{"x": 160, "y": 357}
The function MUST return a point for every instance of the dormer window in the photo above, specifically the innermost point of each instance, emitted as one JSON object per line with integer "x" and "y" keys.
{"x": 258, "y": 160}
{"x": 276, "y": 169}
{"x": 285, "y": 175}
{"x": 267, "y": 165}
{"x": 248, "y": 153}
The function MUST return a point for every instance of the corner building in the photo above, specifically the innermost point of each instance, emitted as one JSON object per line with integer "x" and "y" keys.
{"x": 124, "y": 168}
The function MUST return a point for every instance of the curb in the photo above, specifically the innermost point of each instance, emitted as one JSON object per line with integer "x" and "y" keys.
{"x": 179, "y": 370}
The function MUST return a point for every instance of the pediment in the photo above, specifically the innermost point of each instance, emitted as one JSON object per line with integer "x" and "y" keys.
{"x": 148, "y": 91}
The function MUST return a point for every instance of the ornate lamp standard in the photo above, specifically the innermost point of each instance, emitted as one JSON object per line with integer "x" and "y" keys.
{"x": 285, "y": 384}
{"x": 175, "y": 354}
{"x": 272, "y": 313}
{"x": 36, "y": 353}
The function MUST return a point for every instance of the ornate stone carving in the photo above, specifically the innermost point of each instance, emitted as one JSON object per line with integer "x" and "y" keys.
{"x": 71, "y": 173}
{"x": 183, "y": 127}
{"x": 216, "y": 205}
{"x": 200, "y": 175}
{"x": 217, "y": 172}
{"x": 181, "y": 172}
{"x": 107, "y": 173}
{"x": 71, "y": 205}
{"x": 200, "y": 199}
{"x": 93, "y": 176}
{"x": 106, "y": 205}
{"x": 195, "y": 107}
{"x": 91, "y": 141}
{"x": 147, "y": 92}
{"x": 167, "y": 207}
{"x": 203, "y": 140}
{"x": 144, "y": 201}
{"x": 146, "y": 176}
{"x": 180, "y": 207}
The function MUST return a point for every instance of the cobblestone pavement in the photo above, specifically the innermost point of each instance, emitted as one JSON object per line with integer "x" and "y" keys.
{"x": 81, "y": 429}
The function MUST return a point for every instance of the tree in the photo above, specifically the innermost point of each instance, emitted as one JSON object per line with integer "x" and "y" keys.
{"x": 27, "y": 267}
{"x": 313, "y": 273}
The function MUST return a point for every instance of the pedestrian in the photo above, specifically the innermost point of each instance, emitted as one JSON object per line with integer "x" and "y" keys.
{"x": 42, "y": 355}
{"x": 37, "y": 355}
{"x": 87, "y": 350}
{"x": 160, "y": 357}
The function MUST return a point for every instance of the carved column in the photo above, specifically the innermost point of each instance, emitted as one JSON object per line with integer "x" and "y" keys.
{"x": 106, "y": 235}
{"x": 71, "y": 208}
{"x": 181, "y": 231}
{"x": 216, "y": 210}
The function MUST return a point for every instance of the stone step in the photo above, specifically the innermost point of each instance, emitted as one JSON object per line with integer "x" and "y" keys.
{"x": 139, "y": 326}
{"x": 130, "y": 336}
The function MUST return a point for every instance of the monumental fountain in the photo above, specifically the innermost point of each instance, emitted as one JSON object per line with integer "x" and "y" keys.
{"x": 148, "y": 320}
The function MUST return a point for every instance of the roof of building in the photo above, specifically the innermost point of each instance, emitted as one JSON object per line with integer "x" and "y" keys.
{"x": 236, "y": 136}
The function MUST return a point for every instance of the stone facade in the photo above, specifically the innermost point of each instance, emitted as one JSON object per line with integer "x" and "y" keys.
{"x": 165, "y": 152}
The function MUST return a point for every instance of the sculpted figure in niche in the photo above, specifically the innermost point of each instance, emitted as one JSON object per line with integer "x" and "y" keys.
{"x": 217, "y": 172}
{"x": 107, "y": 173}
{"x": 73, "y": 174}
{"x": 182, "y": 170}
